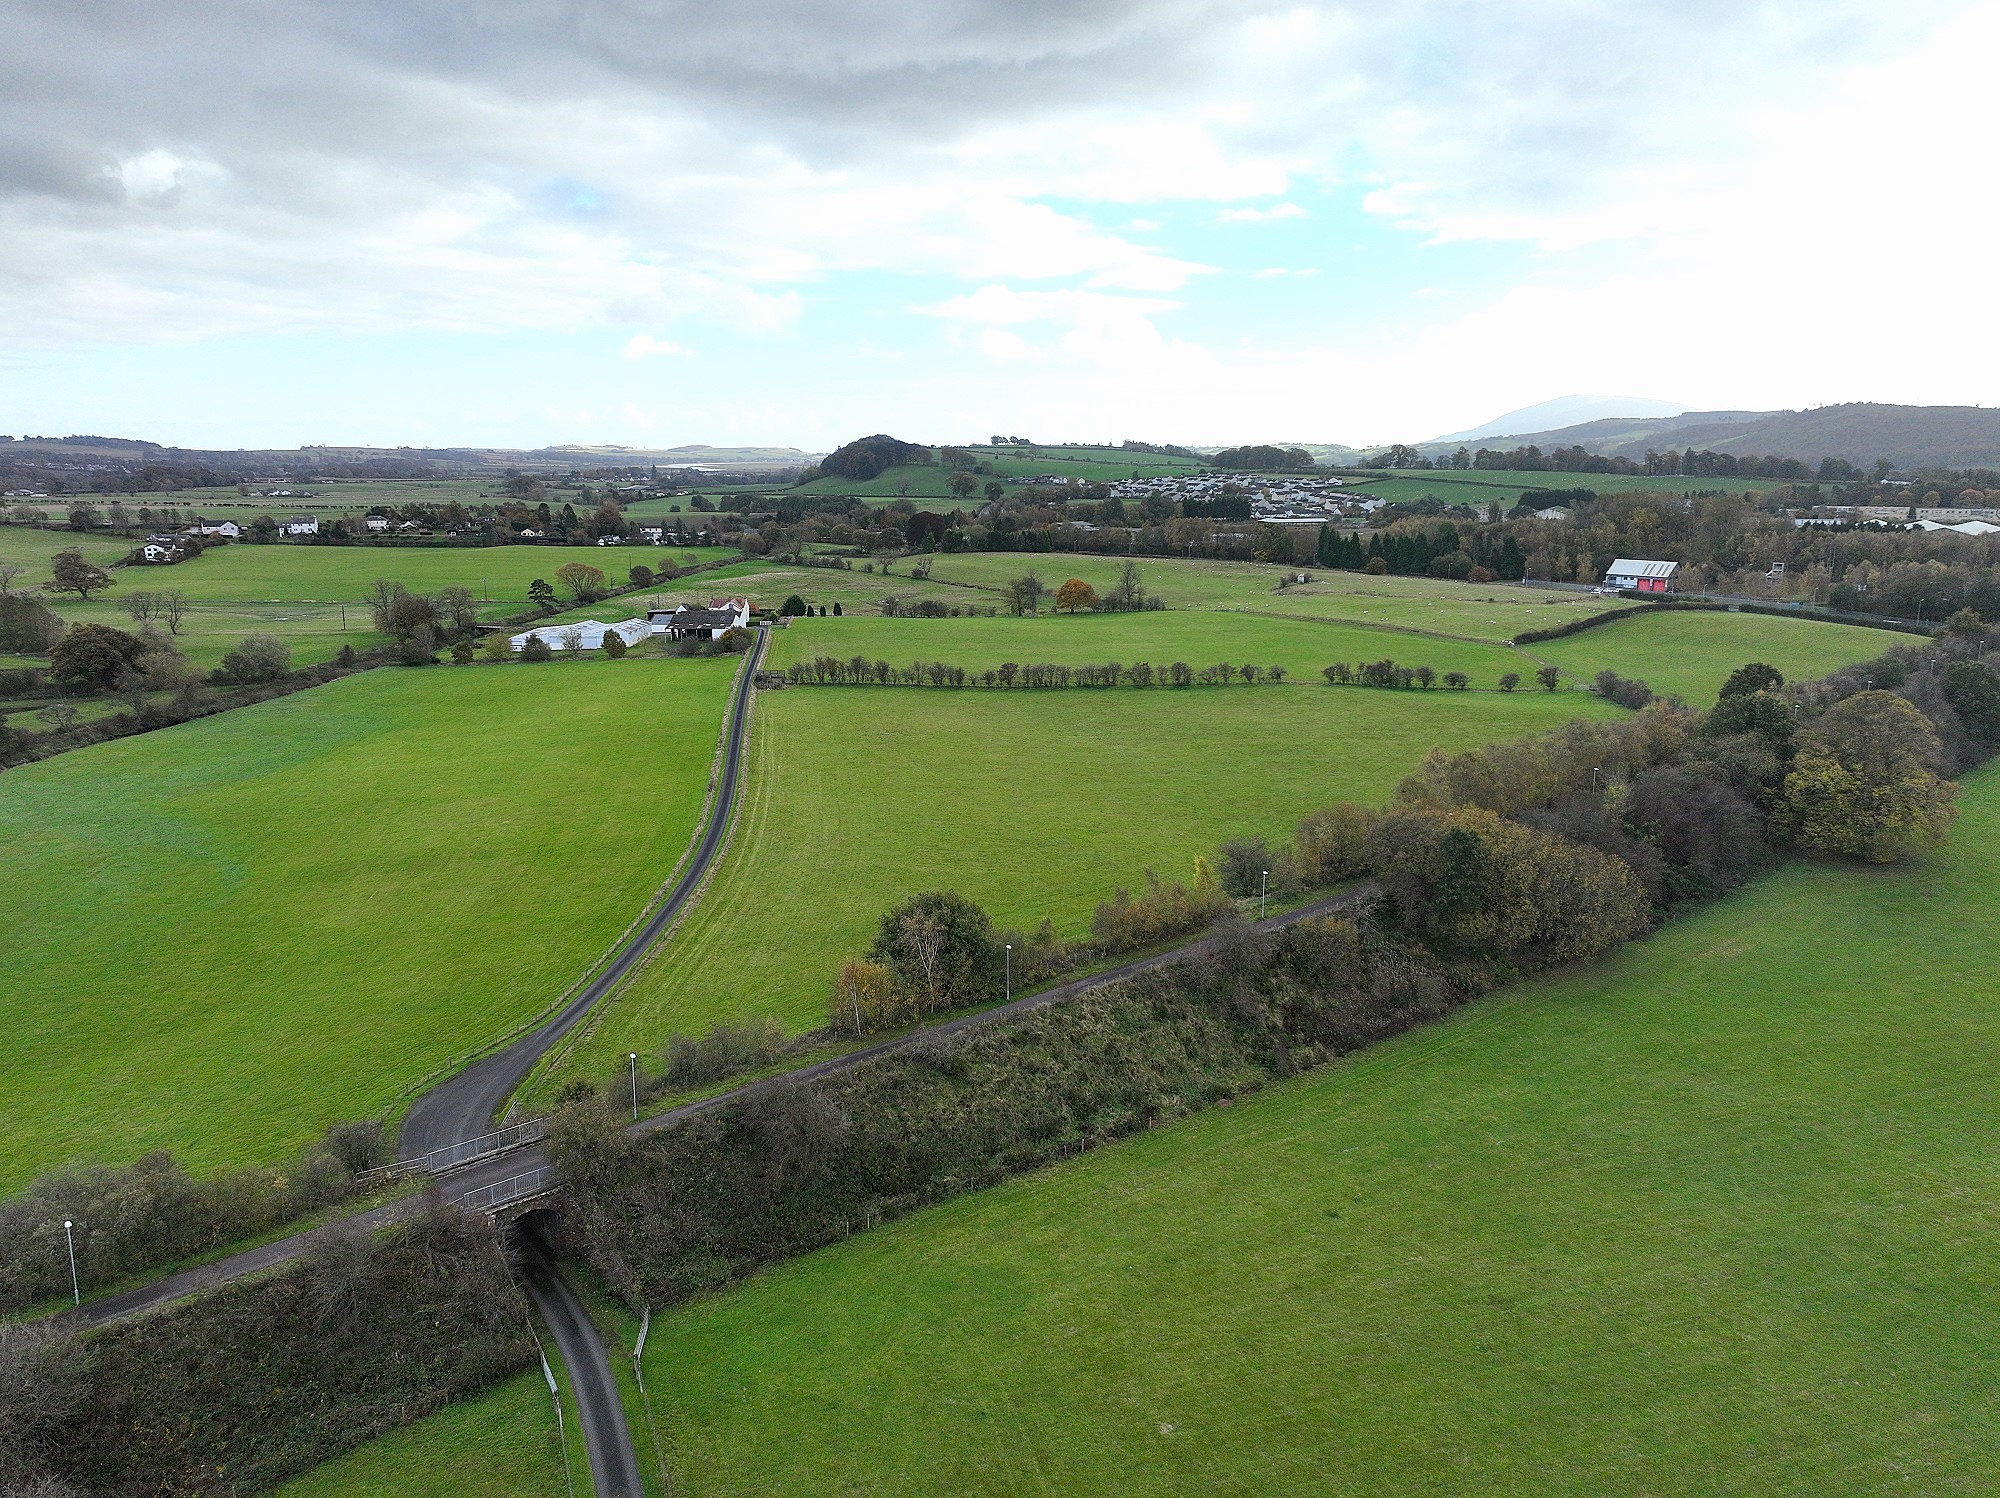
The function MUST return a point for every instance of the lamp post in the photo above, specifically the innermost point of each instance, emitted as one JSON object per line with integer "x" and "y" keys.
{"x": 69, "y": 1237}
{"x": 1010, "y": 970}
{"x": 1263, "y": 893}
{"x": 635, "y": 1085}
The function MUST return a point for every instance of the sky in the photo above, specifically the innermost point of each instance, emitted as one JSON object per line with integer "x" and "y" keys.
{"x": 655, "y": 222}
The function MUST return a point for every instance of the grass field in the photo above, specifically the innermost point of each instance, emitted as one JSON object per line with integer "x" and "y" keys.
{"x": 1198, "y": 637}
{"x": 1480, "y": 487}
{"x": 1693, "y": 653}
{"x": 1033, "y": 804}
{"x": 499, "y": 1445}
{"x": 927, "y": 481}
{"x": 313, "y": 595}
{"x": 1479, "y": 611}
{"x": 253, "y": 925}
{"x": 1712, "y": 1216}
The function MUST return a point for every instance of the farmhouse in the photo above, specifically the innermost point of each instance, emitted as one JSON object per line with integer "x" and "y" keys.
{"x": 652, "y": 534}
{"x": 301, "y": 525}
{"x": 227, "y": 528}
{"x": 1643, "y": 576}
{"x": 376, "y": 522}
{"x": 161, "y": 551}
{"x": 587, "y": 634}
{"x": 683, "y": 622}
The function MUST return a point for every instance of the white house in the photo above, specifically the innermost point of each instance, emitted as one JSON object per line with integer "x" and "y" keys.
{"x": 227, "y": 528}
{"x": 161, "y": 551}
{"x": 652, "y": 535}
{"x": 682, "y": 622}
{"x": 1641, "y": 576}
{"x": 301, "y": 525}
{"x": 589, "y": 634}
{"x": 376, "y": 522}
{"x": 1553, "y": 512}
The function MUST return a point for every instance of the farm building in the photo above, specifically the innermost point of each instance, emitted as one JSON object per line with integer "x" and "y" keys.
{"x": 682, "y": 622}
{"x": 227, "y": 528}
{"x": 1643, "y": 576}
{"x": 376, "y": 522}
{"x": 585, "y": 634}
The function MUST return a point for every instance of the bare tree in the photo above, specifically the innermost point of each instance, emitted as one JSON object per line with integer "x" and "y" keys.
{"x": 171, "y": 609}
{"x": 142, "y": 606}
{"x": 9, "y": 573}
{"x": 60, "y": 716}
{"x": 572, "y": 640}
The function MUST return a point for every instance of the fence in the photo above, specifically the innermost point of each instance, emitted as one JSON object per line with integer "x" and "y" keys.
{"x": 450, "y": 1156}
{"x": 504, "y": 1193}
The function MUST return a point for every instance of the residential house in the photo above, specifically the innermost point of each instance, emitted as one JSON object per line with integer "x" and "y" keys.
{"x": 162, "y": 551}
{"x": 376, "y": 522}
{"x": 227, "y": 528}
{"x": 301, "y": 525}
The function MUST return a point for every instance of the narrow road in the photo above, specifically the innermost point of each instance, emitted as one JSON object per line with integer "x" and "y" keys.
{"x": 462, "y": 1107}
{"x": 499, "y": 1168}
{"x": 607, "y": 1441}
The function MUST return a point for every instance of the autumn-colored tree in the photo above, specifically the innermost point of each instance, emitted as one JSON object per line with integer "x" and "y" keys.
{"x": 1332, "y": 844}
{"x": 1865, "y": 783}
{"x": 866, "y": 998}
{"x": 584, "y": 581}
{"x": 1075, "y": 594}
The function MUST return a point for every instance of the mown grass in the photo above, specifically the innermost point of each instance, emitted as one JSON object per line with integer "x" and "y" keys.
{"x": 226, "y": 935}
{"x": 499, "y": 1445}
{"x": 1693, "y": 653}
{"x": 1035, "y": 804}
{"x": 1711, "y": 1216}
{"x": 1199, "y": 638}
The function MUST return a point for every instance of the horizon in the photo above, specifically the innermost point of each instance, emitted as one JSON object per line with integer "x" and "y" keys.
{"x": 1199, "y": 225}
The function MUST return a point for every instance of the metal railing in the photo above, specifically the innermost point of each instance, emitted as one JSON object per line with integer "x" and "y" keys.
{"x": 505, "y": 1193}
{"x": 447, "y": 1157}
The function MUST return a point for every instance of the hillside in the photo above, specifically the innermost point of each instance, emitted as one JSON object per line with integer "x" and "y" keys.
{"x": 1910, "y": 437}
{"x": 1565, "y": 411}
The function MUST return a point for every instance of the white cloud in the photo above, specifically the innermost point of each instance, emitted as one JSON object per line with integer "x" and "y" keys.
{"x": 645, "y": 346}
{"x": 1273, "y": 214}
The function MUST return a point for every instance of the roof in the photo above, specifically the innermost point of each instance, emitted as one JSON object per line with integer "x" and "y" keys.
{"x": 1629, "y": 567}
{"x": 703, "y": 618}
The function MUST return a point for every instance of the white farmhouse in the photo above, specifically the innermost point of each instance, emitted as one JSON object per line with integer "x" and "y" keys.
{"x": 227, "y": 528}
{"x": 301, "y": 525}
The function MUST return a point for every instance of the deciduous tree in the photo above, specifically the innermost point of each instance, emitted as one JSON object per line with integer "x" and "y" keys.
{"x": 1075, "y": 594}
{"x": 72, "y": 574}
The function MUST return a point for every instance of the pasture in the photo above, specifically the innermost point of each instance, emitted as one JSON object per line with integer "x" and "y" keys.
{"x": 1692, "y": 654}
{"x": 312, "y": 596}
{"x": 1713, "y": 1215}
{"x": 1480, "y": 487}
{"x": 1034, "y": 804}
{"x": 1196, "y": 637}
{"x": 250, "y": 926}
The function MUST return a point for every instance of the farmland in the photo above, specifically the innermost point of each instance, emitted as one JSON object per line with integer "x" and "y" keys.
{"x": 250, "y": 926}
{"x": 1199, "y": 638}
{"x": 312, "y": 596}
{"x": 1036, "y": 805}
{"x": 1483, "y": 486}
{"x": 499, "y": 1445}
{"x": 1683, "y": 1221}
{"x": 1693, "y": 653}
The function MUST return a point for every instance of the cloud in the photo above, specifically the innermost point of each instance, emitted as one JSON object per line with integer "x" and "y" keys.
{"x": 645, "y": 346}
{"x": 1273, "y": 214}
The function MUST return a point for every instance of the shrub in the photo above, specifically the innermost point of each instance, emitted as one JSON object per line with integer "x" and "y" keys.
{"x": 535, "y": 648}
{"x": 1510, "y": 681}
{"x": 257, "y": 658}
{"x": 1123, "y": 922}
{"x": 614, "y": 645}
{"x": 727, "y": 1048}
{"x": 1622, "y": 690}
{"x": 940, "y": 948}
{"x": 1332, "y": 844}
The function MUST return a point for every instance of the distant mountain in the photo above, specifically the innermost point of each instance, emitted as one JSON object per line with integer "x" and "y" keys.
{"x": 1565, "y": 411}
{"x": 1910, "y": 437}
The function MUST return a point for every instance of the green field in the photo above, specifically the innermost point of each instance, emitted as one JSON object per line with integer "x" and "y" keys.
{"x": 250, "y": 926}
{"x": 1196, "y": 637}
{"x": 1010, "y": 465}
{"x": 1480, "y": 487}
{"x": 1479, "y": 611}
{"x": 1714, "y": 1215}
{"x": 313, "y": 595}
{"x": 1693, "y": 653}
{"x": 1034, "y": 804}
{"x": 499, "y": 1445}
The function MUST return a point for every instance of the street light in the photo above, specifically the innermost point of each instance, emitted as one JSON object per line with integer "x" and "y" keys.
{"x": 1010, "y": 970}
{"x": 1263, "y": 893}
{"x": 75, "y": 1288}
{"x": 635, "y": 1085}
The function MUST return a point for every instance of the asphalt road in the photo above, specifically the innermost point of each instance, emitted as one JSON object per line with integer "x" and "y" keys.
{"x": 463, "y": 1106}
{"x": 607, "y": 1440}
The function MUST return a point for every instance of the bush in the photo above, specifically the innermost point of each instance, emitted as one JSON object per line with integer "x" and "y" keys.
{"x": 727, "y": 1048}
{"x": 1124, "y": 923}
{"x": 1622, "y": 690}
{"x": 27, "y": 625}
{"x": 1332, "y": 845}
{"x": 535, "y": 648}
{"x": 257, "y": 658}
{"x": 940, "y": 948}
{"x": 94, "y": 656}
